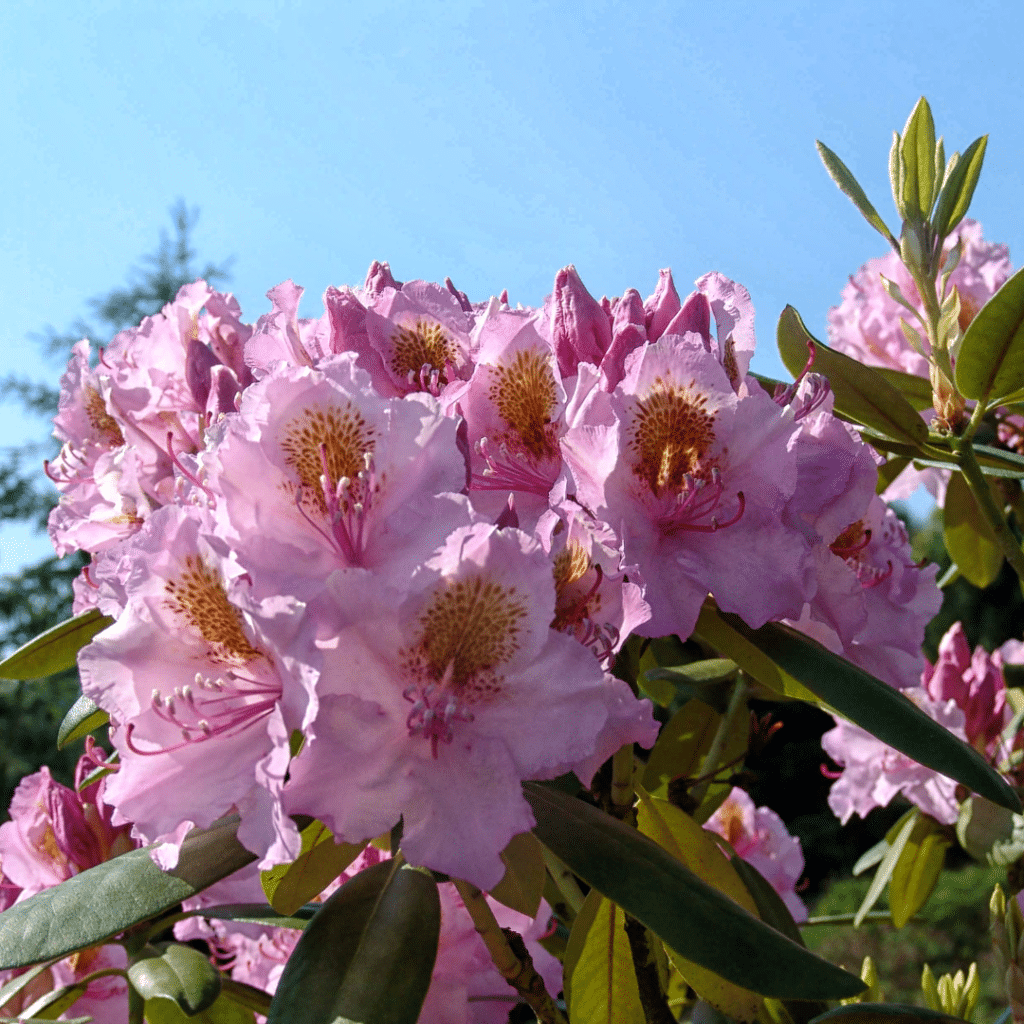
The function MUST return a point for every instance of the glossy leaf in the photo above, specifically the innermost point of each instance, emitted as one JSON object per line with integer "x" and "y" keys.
{"x": 917, "y": 870}
{"x": 259, "y": 913}
{"x": 321, "y": 860}
{"x": 245, "y": 996}
{"x": 990, "y": 363}
{"x": 918, "y": 151}
{"x": 896, "y": 840}
{"x": 678, "y": 834}
{"x": 883, "y": 711}
{"x": 522, "y": 885}
{"x": 989, "y": 833}
{"x": 178, "y": 973}
{"x": 884, "y": 1013}
{"x": 861, "y": 393}
{"x": 968, "y": 535}
{"x": 223, "y": 1011}
{"x": 91, "y": 907}
{"x": 56, "y": 649}
{"x": 684, "y": 912}
{"x": 83, "y": 717}
{"x": 681, "y": 744}
{"x": 601, "y": 985}
{"x": 916, "y": 390}
{"x": 958, "y": 188}
{"x": 850, "y": 187}
{"x": 368, "y": 954}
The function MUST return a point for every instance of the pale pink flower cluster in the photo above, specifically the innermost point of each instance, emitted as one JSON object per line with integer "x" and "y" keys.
{"x": 376, "y": 565}
{"x": 962, "y": 691}
{"x": 465, "y": 987}
{"x": 55, "y": 833}
{"x": 759, "y": 836}
{"x": 866, "y": 324}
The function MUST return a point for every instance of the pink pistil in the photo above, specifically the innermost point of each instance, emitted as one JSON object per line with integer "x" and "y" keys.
{"x": 183, "y": 470}
{"x": 434, "y": 709}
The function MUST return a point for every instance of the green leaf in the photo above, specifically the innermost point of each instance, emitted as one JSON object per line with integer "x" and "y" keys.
{"x": 989, "y": 833}
{"x": 83, "y": 717}
{"x": 880, "y": 709}
{"x": 223, "y": 1011}
{"x": 321, "y": 860}
{"x": 258, "y": 913}
{"x": 51, "y": 1005}
{"x": 918, "y": 151}
{"x": 958, "y": 189}
{"x": 968, "y": 535}
{"x": 861, "y": 392}
{"x": 368, "y": 954}
{"x": 56, "y": 649}
{"x": 602, "y": 986}
{"x": 522, "y": 885}
{"x": 16, "y": 984}
{"x": 97, "y": 904}
{"x": 888, "y": 472}
{"x": 687, "y": 914}
{"x": 990, "y": 363}
{"x": 698, "y": 673}
{"x": 917, "y": 870}
{"x": 896, "y": 839}
{"x": 681, "y": 744}
{"x": 916, "y": 390}
{"x": 849, "y": 186}
{"x": 178, "y": 973}
{"x": 884, "y": 1013}
{"x": 245, "y": 996}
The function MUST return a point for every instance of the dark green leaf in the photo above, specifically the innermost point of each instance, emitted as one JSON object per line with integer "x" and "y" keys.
{"x": 918, "y": 151}
{"x": 861, "y": 393}
{"x": 97, "y": 904}
{"x": 916, "y": 390}
{"x": 56, "y": 649}
{"x": 990, "y": 363}
{"x": 522, "y": 885}
{"x": 968, "y": 535}
{"x": 884, "y": 1013}
{"x": 259, "y": 913}
{"x": 83, "y": 717}
{"x": 178, "y": 973}
{"x": 883, "y": 711}
{"x": 368, "y": 954}
{"x": 696, "y": 920}
{"x": 850, "y": 187}
{"x": 958, "y": 190}
{"x": 254, "y": 999}
{"x": 223, "y": 1011}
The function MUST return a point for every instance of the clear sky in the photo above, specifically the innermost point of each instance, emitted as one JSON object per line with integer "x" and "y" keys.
{"x": 490, "y": 142}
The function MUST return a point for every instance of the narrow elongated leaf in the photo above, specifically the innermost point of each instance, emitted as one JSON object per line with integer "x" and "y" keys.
{"x": 223, "y": 1011}
{"x": 602, "y": 988}
{"x": 56, "y": 649}
{"x": 896, "y": 840}
{"x": 883, "y": 711}
{"x": 884, "y": 1013}
{"x": 681, "y": 836}
{"x": 917, "y": 871}
{"x": 321, "y": 860}
{"x": 687, "y": 914}
{"x": 916, "y": 390}
{"x": 850, "y": 187}
{"x": 82, "y": 718}
{"x": 990, "y": 364}
{"x": 681, "y": 744}
{"x": 958, "y": 188}
{"x": 522, "y": 886}
{"x": 968, "y": 535}
{"x": 51, "y": 1005}
{"x": 861, "y": 393}
{"x": 97, "y": 904}
{"x": 918, "y": 150}
{"x": 259, "y": 913}
{"x": 368, "y": 954}
{"x": 697, "y": 673}
{"x": 16, "y": 984}
{"x": 179, "y": 973}
{"x": 245, "y": 996}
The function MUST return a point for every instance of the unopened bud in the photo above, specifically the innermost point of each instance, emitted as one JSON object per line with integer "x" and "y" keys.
{"x": 930, "y": 989}
{"x": 911, "y": 249}
{"x": 947, "y": 402}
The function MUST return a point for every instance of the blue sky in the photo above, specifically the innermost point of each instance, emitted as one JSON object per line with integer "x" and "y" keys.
{"x": 490, "y": 142}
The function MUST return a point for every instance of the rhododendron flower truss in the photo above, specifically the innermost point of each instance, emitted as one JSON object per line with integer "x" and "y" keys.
{"x": 695, "y": 478}
{"x": 318, "y": 473}
{"x": 201, "y": 697}
{"x": 873, "y": 773}
{"x": 435, "y": 701}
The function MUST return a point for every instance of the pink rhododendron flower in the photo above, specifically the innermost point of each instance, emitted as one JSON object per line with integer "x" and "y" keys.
{"x": 436, "y": 700}
{"x": 345, "y": 477}
{"x": 760, "y": 837}
{"x": 55, "y": 833}
{"x": 975, "y": 682}
{"x": 695, "y": 478}
{"x": 202, "y": 692}
{"x": 874, "y": 773}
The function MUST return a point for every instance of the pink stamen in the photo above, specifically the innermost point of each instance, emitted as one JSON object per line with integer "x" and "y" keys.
{"x": 851, "y": 550}
{"x": 697, "y": 499}
{"x": 828, "y": 772}
{"x": 88, "y": 578}
{"x": 183, "y": 470}
{"x": 434, "y": 710}
{"x": 877, "y": 576}
{"x": 508, "y": 471}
